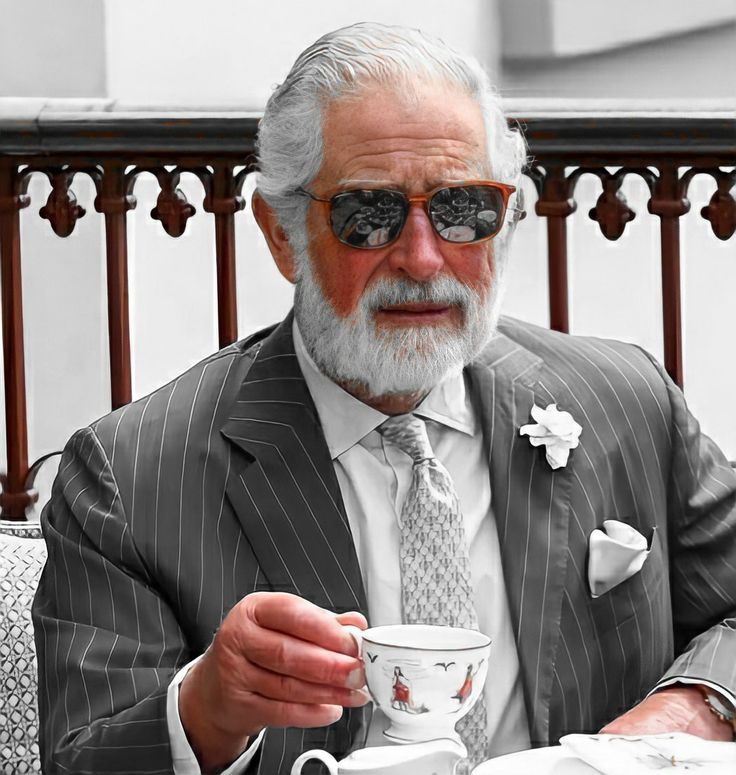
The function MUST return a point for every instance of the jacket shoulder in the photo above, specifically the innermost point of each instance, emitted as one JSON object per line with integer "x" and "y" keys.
{"x": 205, "y": 390}
{"x": 572, "y": 354}
{"x": 598, "y": 372}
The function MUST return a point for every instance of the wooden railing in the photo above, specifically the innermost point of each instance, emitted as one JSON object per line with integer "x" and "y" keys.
{"x": 666, "y": 148}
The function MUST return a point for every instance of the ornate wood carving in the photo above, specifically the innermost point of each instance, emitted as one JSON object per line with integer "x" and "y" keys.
{"x": 556, "y": 194}
{"x": 61, "y": 209}
{"x": 669, "y": 193}
{"x": 721, "y": 210}
{"x": 223, "y": 188}
{"x": 611, "y": 211}
{"x": 114, "y": 188}
{"x": 172, "y": 206}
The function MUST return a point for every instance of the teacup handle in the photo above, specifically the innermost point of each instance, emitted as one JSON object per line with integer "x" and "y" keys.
{"x": 357, "y": 634}
{"x": 323, "y": 756}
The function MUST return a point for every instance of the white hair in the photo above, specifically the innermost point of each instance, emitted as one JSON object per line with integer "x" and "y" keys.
{"x": 342, "y": 63}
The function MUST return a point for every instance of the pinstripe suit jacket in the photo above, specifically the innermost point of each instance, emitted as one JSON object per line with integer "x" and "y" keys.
{"x": 166, "y": 512}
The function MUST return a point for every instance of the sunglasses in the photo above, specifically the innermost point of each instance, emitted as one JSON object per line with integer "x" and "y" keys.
{"x": 461, "y": 213}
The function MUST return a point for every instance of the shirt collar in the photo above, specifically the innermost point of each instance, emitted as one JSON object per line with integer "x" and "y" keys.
{"x": 346, "y": 420}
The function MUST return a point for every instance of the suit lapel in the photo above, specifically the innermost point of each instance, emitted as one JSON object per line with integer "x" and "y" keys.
{"x": 283, "y": 486}
{"x": 531, "y": 508}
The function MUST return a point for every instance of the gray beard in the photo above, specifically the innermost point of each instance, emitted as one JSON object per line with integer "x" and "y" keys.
{"x": 384, "y": 361}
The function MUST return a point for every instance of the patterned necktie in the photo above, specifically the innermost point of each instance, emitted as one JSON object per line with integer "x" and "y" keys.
{"x": 435, "y": 565}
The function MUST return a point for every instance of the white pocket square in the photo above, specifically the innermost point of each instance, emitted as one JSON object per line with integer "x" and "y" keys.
{"x": 616, "y": 553}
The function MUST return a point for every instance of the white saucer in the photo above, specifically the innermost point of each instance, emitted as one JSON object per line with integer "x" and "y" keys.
{"x": 541, "y": 761}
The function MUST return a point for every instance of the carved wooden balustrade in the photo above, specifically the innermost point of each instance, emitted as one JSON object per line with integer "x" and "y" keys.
{"x": 666, "y": 149}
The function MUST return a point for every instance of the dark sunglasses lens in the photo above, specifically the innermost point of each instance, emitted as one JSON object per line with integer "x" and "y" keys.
{"x": 467, "y": 213}
{"x": 367, "y": 219}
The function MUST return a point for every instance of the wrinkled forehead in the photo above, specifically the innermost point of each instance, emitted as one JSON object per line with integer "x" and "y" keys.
{"x": 430, "y": 131}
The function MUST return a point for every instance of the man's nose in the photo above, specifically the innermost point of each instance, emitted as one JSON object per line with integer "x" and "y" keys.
{"x": 417, "y": 251}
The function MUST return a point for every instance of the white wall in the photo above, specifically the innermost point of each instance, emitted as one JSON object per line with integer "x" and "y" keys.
{"x": 230, "y": 51}
{"x": 52, "y": 48}
{"x": 695, "y": 66}
{"x": 543, "y": 29}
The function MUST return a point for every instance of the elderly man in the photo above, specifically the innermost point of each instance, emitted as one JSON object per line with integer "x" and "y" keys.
{"x": 208, "y": 542}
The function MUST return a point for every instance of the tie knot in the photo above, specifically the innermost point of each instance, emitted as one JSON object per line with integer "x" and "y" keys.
{"x": 409, "y": 434}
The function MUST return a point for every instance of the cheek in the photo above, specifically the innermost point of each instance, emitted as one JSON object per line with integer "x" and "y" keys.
{"x": 342, "y": 275}
{"x": 342, "y": 286}
{"x": 474, "y": 265}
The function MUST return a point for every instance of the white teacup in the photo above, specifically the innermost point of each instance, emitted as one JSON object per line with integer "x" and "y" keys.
{"x": 425, "y": 678}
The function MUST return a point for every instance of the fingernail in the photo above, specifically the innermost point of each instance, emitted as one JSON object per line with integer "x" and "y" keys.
{"x": 336, "y": 715}
{"x": 356, "y": 679}
{"x": 361, "y": 696}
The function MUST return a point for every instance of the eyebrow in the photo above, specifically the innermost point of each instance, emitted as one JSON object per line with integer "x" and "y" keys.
{"x": 429, "y": 185}
{"x": 359, "y": 182}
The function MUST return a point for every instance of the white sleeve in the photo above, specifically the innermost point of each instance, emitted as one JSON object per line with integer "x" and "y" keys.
{"x": 185, "y": 762}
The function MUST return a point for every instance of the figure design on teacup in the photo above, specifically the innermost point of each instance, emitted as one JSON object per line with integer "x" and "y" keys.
{"x": 401, "y": 694}
{"x": 466, "y": 689}
{"x": 463, "y": 693}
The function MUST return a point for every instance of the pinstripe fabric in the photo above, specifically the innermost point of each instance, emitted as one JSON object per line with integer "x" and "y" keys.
{"x": 168, "y": 511}
{"x": 641, "y": 460}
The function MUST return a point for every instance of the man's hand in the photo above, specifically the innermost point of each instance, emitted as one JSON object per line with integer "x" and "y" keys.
{"x": 678, "y": 708}
{"x": 277, "y": 660}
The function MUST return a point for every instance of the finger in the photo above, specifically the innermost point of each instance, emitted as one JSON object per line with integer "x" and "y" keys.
{"x": 292, "y": 615}
{"x": 356, "y": 619}
{"x": 290, "y": 656}
{"x": 291, "y": 714}
{"x": 284, "y": 688}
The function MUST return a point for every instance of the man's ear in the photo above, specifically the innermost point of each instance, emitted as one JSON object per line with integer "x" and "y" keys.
{"x": 278, "y": 242}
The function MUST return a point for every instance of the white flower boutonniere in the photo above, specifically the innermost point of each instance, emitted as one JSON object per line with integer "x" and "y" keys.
{"x": 556, "y": 430}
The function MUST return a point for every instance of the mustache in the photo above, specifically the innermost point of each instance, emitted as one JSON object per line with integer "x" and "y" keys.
{"x": 441, "y": 290}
